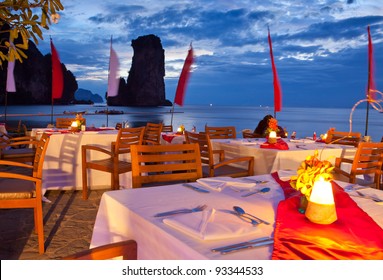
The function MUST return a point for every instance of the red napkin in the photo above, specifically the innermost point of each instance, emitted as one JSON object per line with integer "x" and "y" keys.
{"x": 355, "y": 235}
{"x": 280, "y": 145}
{"x": 168, "y": 138}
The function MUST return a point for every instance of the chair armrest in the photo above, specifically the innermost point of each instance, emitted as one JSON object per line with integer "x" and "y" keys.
{"x": 339, "y": 161}
{"x": 96, "y": 148}
{"x": 221, "y": 154}
{"x": 16, "y": 164}
{"x": 250, "y": 160}
{"x": 11, "y": 175}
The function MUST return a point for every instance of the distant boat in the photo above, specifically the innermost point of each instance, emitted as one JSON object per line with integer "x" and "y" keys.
{"x": 109, "y": 112}
{"x": 74, "y": 112}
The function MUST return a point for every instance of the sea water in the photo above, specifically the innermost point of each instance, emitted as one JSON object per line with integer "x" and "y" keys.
{"x": 304, "y": 121}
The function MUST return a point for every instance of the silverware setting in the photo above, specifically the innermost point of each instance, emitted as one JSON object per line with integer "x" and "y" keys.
{"x": 374, "y": 198}
{"x": 263, "y": 190}
{"x": 190, "y": 186}
{"x": 255, "y": 181}
{"x": 354, "y": 187}
{"x": 263, "y": 241}
{"x": 182, "y": 211}
{"x": 239, "y": 211}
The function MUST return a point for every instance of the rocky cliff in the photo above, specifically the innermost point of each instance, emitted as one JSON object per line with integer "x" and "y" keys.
{"x": 33, "y": 80}
{"x": 145, "y": 84}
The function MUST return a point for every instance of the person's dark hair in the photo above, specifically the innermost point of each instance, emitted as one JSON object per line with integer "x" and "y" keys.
{"x": 264, "y": 124}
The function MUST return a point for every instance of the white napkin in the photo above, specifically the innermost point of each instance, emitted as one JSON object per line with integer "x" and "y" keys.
{"x": 219, "y": 183}
{"x": 211, "y": 225}
{"x": 285, "y": 174}
{"x": 308, "y": 141}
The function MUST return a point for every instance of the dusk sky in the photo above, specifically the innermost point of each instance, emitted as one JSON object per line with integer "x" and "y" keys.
{"x": 320, "y": 47}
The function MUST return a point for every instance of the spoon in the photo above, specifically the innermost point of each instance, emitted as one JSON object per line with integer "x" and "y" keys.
{"x": 263, "y": 190}
{"x": 242, "y": 212}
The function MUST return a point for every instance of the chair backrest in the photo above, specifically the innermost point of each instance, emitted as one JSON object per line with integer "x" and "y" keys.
{"x": 157, "y": 164}
{"x": 343, "y": 137}
{"x": 203, "y": 141}
{"x": 246, "y": 134}
{"x": 167, "y": 128}
{"x": 221, "y": 132}
{"x": 368, "y": 158}
{"x": 127, "y": 137}
{"x": 64, "y": 122}
{"x": 152, "y": 133}
{"x": 38, "y": 161}
{"x": 126, "y": 249}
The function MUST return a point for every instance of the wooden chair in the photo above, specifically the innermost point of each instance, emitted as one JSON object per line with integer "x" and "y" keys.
{"x": 368, "y": 160}
{"x": 126, "y": 249}
{"x": 223, "y": 167}
{"x": 250, "y": 134}
{"x": 167, "y": 128}
{"x": 18, "y": 149}
{"x": 343, "y": 137}
{"x": 126, "y": 138}
{"x": 157, "y": 164}
{"x": 21, "y": 190}
{"x": 152, "y": 135}
{"x": 19, "y": 131}
{"x": 221, "y": 132}
{"x": 64, "y": 122}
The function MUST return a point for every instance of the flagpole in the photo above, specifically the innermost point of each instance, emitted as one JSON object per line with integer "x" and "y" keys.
{"x": 369, "y": 79}
{"x": 107, "y": 92}
{"x": 6, "y": 104}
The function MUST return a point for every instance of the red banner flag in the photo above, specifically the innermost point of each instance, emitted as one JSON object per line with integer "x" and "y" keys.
{"x": 184, "y": 77}
{"x": 371, "y": 83}
{"x": 57, "y": 74}
{"x": 277, "y": 85}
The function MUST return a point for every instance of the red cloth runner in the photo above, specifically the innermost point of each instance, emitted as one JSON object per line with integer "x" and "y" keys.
{"x": 285, "y": 185}
{"x": 168, "y": 138}
{"x": 280, "y": 145}
{"x": 355, "y": 235}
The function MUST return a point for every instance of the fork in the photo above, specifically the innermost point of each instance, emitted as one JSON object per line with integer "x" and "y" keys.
{"x": 182, "y": 211}
{"x": 376, "y": 199}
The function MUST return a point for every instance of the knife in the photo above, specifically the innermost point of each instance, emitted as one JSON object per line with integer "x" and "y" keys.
{"x": 250, "y": 246}
{"x": 195, "y": 188}
{"x": 246, "y": 243}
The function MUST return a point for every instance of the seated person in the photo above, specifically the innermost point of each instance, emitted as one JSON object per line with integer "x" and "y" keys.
{"x": 263, "y": 128}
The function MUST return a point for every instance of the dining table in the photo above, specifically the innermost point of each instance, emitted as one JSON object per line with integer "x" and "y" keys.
{"x": 139, "y": 214}
{"x": 269, "y": 158}
{"x": 62, "y": 167}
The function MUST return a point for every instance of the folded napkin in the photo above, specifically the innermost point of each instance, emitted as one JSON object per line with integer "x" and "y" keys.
{"x": 285, "y": 174}
{"x": 308, "y": 141}
{"x": 211, "y": 225}
{"x": 355, "y": 235}
{"x": 280, "y": 145}
{"x": 246, "y": 141}
{"x": 219, "y": 183}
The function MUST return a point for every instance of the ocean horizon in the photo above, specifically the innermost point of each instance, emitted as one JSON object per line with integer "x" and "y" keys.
{"x": 304, "y": 121}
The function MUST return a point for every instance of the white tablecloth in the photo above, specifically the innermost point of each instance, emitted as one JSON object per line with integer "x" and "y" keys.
{"x": 62, "y": 163}
{"x": 270, "y": 160}
{"x": 129, "y": 214}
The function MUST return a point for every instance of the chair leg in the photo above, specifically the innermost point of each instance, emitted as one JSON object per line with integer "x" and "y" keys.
{"x": 84, "y": 183}
{"x": 39, "y": 226}
{"x": 115, "y": 181}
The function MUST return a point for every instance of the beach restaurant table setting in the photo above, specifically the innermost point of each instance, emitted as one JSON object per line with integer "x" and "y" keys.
{"x": 62, "y": 163}
{"x": 225, "y": 218}
{"x": 285, "y": 154}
